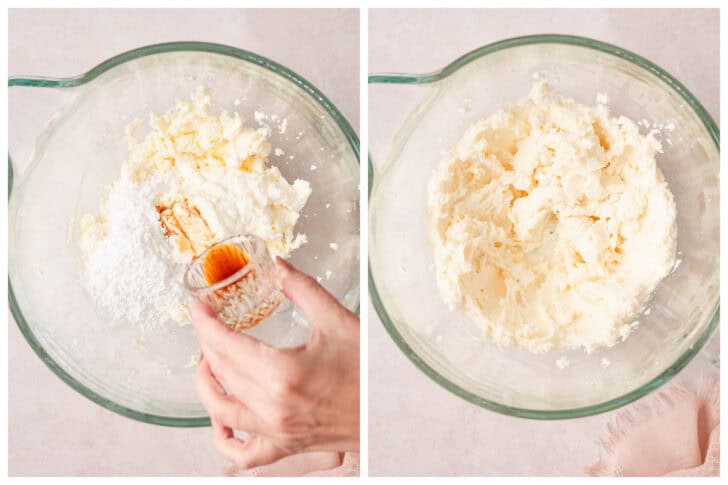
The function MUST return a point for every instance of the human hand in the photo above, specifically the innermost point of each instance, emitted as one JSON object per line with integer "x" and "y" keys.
{"x": 291, "y": 400}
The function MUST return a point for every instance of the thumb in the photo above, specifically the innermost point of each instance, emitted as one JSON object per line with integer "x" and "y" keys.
{"x": 317, "y": 304}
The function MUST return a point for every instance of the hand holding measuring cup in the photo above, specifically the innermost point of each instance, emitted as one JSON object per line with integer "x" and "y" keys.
{"x": 289, "y": 400}
{"x": 236, "y": 277}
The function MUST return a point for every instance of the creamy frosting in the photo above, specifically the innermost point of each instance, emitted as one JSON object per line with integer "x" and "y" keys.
{"x": 552, "y": 224}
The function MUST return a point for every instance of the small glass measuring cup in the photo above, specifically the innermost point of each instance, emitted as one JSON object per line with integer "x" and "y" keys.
{"x": 236, "y": 277}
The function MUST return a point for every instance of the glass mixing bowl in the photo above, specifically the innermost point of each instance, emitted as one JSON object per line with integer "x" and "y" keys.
{"x": 446, "y": 345}
{"x": 80, "y": 151}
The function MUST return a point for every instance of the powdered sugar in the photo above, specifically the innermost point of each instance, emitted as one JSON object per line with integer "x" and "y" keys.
{"x": 131, "y": 273}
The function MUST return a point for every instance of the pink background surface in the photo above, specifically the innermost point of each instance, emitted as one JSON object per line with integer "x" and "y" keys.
{"x": 52, "y": 429}
{"x": 415, "y": 426}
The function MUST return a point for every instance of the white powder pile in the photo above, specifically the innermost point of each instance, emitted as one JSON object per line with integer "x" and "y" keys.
{"x": 131, "y": 272}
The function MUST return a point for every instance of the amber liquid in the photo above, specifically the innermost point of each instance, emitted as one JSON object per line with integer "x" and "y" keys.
{"x": 223, "y": 261}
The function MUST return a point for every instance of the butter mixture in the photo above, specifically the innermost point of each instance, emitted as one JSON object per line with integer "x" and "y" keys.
{"x": 219, "y": 184}
{"x": 194, "y": 178}
{"x": 552, "y": 224}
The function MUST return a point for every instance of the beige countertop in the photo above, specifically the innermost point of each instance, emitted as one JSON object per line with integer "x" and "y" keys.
{"x": 53, "y": 430}
{"x": 415, "y": 426}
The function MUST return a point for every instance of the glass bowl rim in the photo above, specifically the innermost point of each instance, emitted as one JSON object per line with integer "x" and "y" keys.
{"x": 406, "y": 349}
{"x": 76, "y": 81}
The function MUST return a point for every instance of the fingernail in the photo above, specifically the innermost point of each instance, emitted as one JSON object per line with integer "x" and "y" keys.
{"x": 199, "y": 312}
{"x": 283, "y": 266}
{"x": 195, "y": 310}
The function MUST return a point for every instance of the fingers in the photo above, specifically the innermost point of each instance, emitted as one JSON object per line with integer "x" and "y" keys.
{"x": 221, "y": 407}
{"x": 254, "y": 452}
{"x": 317, "y": 304}
{"x": 233, "y": 347}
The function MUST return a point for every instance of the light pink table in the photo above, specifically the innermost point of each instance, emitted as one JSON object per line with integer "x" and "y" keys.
{"x": 52, "y": 429}
{"x": 415, "y": 426}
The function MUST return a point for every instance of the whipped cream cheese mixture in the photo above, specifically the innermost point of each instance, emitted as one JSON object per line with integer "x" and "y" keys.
{"x": 552, "y": 224}
{"x": 195, "y": 178}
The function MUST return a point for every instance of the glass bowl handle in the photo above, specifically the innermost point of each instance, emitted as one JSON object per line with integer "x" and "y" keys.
{"x": 392, "y": 93}
{"x": 29, "y": 113}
